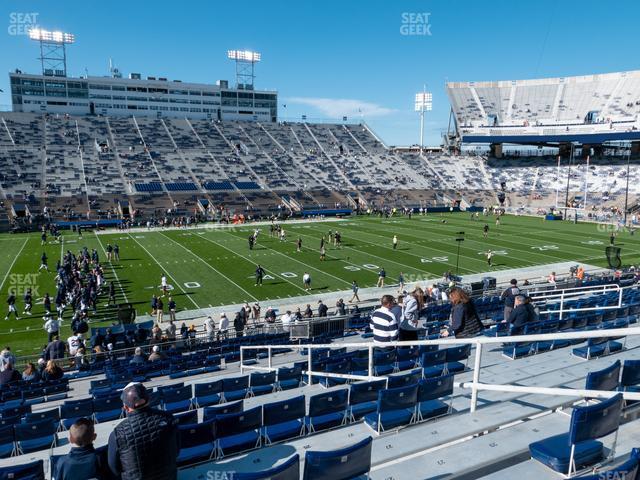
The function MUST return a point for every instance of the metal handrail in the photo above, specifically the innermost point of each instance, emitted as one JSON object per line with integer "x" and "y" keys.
{"x": 576, "y": 292}
{"x": 475, "y": 385}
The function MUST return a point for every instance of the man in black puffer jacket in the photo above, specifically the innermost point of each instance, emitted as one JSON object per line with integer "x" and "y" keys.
{"x": 145, "y": 445}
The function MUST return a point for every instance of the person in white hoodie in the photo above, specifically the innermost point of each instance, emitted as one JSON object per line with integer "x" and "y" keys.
{"x": 6, "y": 357}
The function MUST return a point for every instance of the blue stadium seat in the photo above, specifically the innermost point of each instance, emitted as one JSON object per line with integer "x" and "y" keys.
{"x": 53, "y": 414}
{"x": 205, "y": 394}
{"x": 106, "y": 409}
{"x": 26, "y": 471}
{"x": 406, "y": 358}
{"x": 456, "y": 358}
{"x": 327, "y": 410}
{"x": 430, "y": 391}
{"x": 261, "y": 383}
{"x": 396, "y": 408}
{"x": 289, "y": 377}
{"x": 177, "y": 400}
{"x": 433, "y": 363}
{"x": 625, "y": 471}
{"x": 411, "y": 378}
{"x": 363, "y": 398}
{"x": 284, "y": 419}
{"x": 605, "y": 379}
{"x": 72, "y": 410}
{"x": 197, "y": 442}
{"x": 31, "y": 437}
{"x": 346, "y": 463}
{"x": 238, "y": 432}
{"x": 214, "y": 411}
{"x": 384, "y": 362}
{"x": 289, "y": 470}
{"x": 235, "y": 388}
{"x": 580, "y": 447}
{"x": 186, "y": 418}
{"x": 630, "y": 379}
{"x": 7, "y": 445}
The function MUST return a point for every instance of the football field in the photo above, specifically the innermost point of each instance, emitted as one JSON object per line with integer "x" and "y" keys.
{"x": 214, "y": 266}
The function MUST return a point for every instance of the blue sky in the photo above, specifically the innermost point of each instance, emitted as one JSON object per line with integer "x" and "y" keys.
{"x": 332, "y": 58}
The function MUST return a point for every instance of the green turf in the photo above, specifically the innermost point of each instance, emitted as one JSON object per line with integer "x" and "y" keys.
{"x": 212, "y": 267}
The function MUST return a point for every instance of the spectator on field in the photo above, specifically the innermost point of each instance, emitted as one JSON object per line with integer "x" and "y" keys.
{"x": 145, "y": 444}
{"x": 156, "y": 354}
{"x": 51, "y": 326}
{"x": 159, "y": 310}
{"x": 82, "y": 461}
{"x": 138, "y": 357}
{"x": 322, "y": 309}
{"x": 55, "y": 349}
{"x": 464, "y": 320}
{"x": 6, "y": 356}
{"x": 30, "y": 373}
{"x": 9, "y": 375}
{"x": 413, "y": 305}
{"x": 523, "y": 313}
{"x": 52, "y": 371}
{"x": 509, "y": 297}
{"x": 384, "y": 323}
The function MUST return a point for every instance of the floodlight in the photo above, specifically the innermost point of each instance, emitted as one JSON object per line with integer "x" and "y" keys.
{"x": 244, "y": 55}
{"x": 53, "y": 37}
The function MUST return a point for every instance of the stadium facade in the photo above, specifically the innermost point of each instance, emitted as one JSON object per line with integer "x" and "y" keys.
{"x": 590, "y": 109}
{"x": 135, "y": 95}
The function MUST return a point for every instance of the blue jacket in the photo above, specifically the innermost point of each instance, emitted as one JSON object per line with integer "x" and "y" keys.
{"x": 81, "y": 463}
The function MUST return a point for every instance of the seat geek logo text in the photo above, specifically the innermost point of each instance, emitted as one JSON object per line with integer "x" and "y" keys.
{"x": 415, "y": 24}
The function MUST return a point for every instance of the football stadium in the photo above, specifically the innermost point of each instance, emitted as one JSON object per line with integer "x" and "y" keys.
{"x": 428, "y": 271}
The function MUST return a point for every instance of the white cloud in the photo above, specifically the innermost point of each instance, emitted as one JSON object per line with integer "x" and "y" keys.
{"x": 338, "y": 107}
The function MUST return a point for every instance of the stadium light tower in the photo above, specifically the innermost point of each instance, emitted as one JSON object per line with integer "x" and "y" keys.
{"x": 245, "y": 67}
{"x": 53, "y": 50}
{"x": 424, "y": 103}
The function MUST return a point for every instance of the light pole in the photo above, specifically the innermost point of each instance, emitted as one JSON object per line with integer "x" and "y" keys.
{"x": 459, "y": 240}
{"x": 626, "y": 190}
{"x": 424, "y": 103}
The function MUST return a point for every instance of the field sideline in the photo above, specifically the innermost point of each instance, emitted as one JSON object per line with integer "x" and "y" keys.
{"x": 214, "y": 266}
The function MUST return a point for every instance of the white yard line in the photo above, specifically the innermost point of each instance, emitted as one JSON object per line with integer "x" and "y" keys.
{"x": 13, "y": 263}
{"x": 114, "y": 272}
{"x": 166, "y": 270}
{"x": 306, "y": 264}
{"x": 211, "y": 267}
{"x": 252, "y": 262}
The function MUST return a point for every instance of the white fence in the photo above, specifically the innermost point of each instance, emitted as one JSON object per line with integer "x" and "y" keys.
{"x": 479, "y": 342}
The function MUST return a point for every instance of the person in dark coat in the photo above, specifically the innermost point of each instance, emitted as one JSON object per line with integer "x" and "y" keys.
{"x": 145, "y": 445}
{"x": 238, "y": 324}
{"x": 464, "y": 317}
{"x": 523, "y": 313}
{"x": 55, "y": 349}
{"x": 322, "y": 309}
{"x": 9, "y": 375}
{"x": 82, "y": 461}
